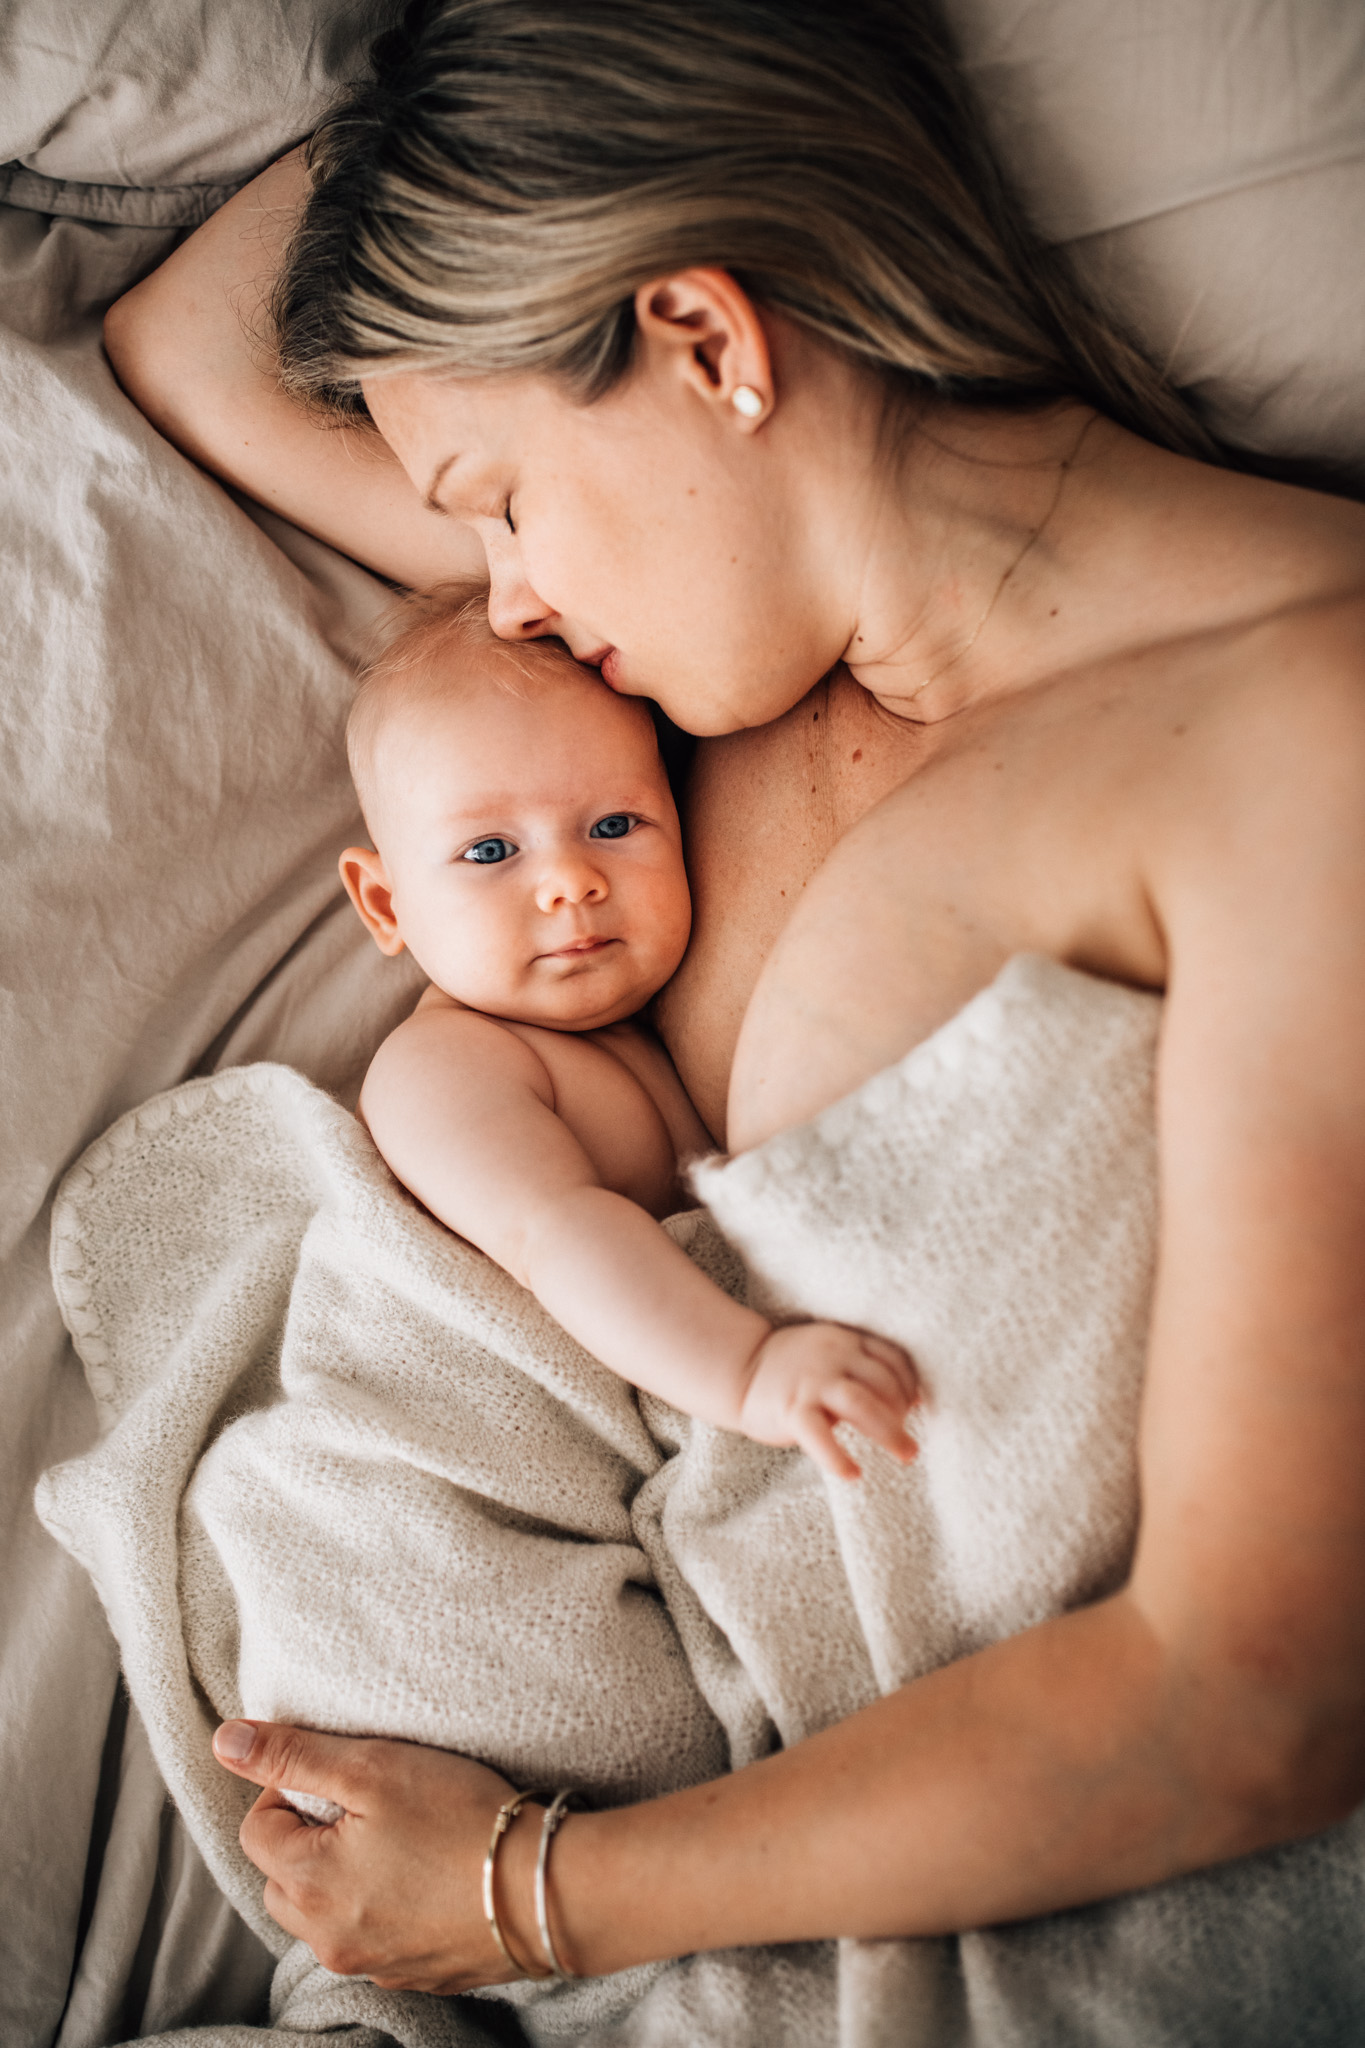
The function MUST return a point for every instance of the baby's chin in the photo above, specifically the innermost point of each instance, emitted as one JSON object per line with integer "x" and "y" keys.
{"x": 569, "y": 1007}
{"x": 567, "y": 1016}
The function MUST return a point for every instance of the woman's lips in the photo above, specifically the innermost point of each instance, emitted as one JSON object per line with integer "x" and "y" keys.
{"x": 604, "y": 660}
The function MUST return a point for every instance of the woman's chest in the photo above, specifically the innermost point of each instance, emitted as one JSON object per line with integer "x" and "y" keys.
{"x": 762, "y": 811}
{"x": 848, "y": 907}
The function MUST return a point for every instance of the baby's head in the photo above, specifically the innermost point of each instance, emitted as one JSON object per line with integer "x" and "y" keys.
{"x": 526, "y": 845}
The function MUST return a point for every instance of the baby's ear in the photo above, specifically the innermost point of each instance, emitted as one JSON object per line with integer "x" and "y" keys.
{"x": 367, "y": 885}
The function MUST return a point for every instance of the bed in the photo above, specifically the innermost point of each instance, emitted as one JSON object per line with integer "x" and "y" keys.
{"x": 178, "y": 666}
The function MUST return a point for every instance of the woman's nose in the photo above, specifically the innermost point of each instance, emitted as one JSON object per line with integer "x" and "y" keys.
{"x": 514, "y": 610}
{"x": 569, "y": 881}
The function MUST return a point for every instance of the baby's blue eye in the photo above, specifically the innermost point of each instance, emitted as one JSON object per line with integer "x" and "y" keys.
{"x": 486, "y": 852}
{"x": 614, "y": 827}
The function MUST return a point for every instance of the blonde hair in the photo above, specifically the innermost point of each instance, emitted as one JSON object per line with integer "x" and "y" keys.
{"x": 494, "y": 197}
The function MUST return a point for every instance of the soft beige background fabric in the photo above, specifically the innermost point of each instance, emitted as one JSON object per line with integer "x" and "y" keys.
{"x": 173, "y": 795}
{"x": 170, "y": 92}
{"x": 1206, "y": 162}
{"x": 171, "y": 788}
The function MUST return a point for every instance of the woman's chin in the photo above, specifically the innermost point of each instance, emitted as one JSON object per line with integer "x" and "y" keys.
{"x": 739, "y": 711}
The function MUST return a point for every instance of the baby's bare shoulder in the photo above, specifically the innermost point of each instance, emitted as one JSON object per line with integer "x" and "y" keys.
{"x": 443, "y": 1042}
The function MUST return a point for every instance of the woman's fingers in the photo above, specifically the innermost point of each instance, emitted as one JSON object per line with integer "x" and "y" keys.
{"x": 328, "y": 1767}
{"x": 276, "y": 1839}
{"x": 392, "y": 1890}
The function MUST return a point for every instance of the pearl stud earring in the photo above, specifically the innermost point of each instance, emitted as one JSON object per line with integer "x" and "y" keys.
{"x": 746, "y": 400}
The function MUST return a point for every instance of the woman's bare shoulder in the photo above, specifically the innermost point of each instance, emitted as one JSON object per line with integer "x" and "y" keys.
{"x": 1276, "y": 714}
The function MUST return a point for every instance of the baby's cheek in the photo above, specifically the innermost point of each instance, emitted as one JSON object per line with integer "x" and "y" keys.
{"x": 672, "y": 926}
{"x": 473, "y": 957}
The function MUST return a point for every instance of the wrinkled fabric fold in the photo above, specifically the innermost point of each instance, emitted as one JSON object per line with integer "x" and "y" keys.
{"x": 354, "y": 1475}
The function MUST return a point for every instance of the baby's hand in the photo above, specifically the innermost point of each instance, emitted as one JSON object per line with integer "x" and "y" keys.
{"x": 809, "y": 1376}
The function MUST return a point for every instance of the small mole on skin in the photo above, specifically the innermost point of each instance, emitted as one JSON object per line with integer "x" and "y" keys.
{"x": 857, "y": 753}
{"x": 691, "y": 490}
{"x": 1053, "y": 613}
{"x": 1180, "y": 732}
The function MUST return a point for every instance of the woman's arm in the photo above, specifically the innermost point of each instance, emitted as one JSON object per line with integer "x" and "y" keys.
{"x": 1075, "y": 1762}
{"x": 190, "y": 345}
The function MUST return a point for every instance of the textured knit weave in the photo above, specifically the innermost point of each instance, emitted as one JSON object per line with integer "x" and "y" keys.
{"x": 357, "y": 1477}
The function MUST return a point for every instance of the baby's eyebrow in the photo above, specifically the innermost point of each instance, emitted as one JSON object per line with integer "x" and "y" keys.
{"x": 484, "y": 806}
{"x": 434, "y": 486}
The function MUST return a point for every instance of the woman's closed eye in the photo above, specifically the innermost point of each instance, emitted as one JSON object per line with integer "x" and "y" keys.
{"x": 614, "y": 826}
{"x": 486, "y": 853}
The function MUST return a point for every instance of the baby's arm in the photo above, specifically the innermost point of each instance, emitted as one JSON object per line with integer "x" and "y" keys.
{"x": 463, "y": 1111}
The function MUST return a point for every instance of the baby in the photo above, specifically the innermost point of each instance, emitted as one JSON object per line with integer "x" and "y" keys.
{"x": 527, "y": 852}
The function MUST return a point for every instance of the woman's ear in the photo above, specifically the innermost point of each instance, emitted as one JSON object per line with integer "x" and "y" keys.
{"x": 706, "y": 329}
{"x": 367, "y": 884}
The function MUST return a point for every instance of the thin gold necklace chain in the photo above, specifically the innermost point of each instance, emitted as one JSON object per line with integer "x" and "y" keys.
{"x": 1063, "y": 471}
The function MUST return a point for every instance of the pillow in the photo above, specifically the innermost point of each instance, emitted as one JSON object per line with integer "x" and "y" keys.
{"x": 1205, "y": 162}
{"x": 167, "y": 93}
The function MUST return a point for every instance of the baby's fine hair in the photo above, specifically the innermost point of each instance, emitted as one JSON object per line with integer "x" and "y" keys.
{"x": 422, "y": 659}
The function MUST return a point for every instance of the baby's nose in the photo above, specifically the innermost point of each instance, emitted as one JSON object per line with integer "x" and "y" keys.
{"x": 570, "y": 881}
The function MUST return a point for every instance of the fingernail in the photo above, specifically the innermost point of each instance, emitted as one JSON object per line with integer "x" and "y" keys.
{"x": 235, "y": 1741}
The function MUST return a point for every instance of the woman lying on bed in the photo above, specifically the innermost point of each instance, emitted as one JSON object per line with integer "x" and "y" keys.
{"x": 711, "y": 326}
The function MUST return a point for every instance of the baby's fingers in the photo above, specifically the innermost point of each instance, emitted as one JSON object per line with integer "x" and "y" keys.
{"x": 813, "y": 1433}
{"x": 879, "y": 1419}
{"x": 898, "y": 1363}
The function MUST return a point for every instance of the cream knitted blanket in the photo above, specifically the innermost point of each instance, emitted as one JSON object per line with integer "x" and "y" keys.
{"x": 355, "y": 1477}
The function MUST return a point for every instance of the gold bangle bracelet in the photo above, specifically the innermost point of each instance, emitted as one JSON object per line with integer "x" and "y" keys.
{"x": 507, "y": 1813}
{"x": 555, "y": 1815}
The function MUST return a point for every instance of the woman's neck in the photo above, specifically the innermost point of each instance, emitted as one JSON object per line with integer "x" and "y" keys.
{"x": 1005, "y": 548}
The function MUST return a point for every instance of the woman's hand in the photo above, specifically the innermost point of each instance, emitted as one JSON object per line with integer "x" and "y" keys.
{"x": 393, "y": 1890}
